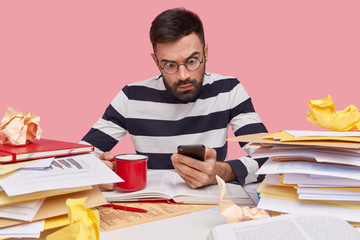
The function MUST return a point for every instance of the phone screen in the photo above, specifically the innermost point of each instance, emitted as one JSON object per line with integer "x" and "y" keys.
{"x": 196, "y": 151}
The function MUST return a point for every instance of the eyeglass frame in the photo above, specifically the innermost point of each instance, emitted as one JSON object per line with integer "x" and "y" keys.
{"x": 178, "y": 65}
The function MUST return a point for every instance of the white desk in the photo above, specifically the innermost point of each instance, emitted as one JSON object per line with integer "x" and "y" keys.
{"x": 190, "y": 226}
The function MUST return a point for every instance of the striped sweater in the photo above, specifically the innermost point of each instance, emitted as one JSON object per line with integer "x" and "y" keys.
{"x": 158, "y": 122}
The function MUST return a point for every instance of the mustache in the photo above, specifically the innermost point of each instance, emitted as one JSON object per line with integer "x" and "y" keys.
{"x": 188, "y": 81}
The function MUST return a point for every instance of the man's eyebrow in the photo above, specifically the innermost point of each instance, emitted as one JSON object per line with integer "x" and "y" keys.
{"x": 191, "y": 55}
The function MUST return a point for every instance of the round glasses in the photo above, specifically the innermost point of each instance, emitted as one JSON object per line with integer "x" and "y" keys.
{"x": 191, "y": 64}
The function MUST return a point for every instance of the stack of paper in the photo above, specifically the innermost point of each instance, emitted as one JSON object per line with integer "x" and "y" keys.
{"x": 34, "y": 192}
{"x": 310, "y": 171}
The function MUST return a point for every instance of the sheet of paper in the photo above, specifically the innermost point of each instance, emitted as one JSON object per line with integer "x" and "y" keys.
{"x": 274, "y": 167}
{"x": 267, "y": 139}
{"x": 346, "y": 158}
{"x": 328, "y": 149}
{"x": 284, "y": 136}
{"x": 5, "y": 200}
{"x": 285, "y": 206}
{"x": 251, "y": 190}
{"x": 56, "y": 222}
{"x": 66, "y": 172}
{"x": 7, "y": 168}
{"x": 328, "y": 197}
{"x": 24, "y": 211}
{"x": 290, "y": 194}
{"x": 272, "y": 179}
{"x": 234, "y": 192}
{"x": 290, "y": 226}
{"x": 306, "y": 179}
{"x": 111, "y": 219}
{"x": 305, "y": 133}
{"x": 29, "y": 230}
{"x": 333, "y": 191}
{"x": 40, "y": 164}
{"x": 160, "y": 183}
{"x": 55, "y": 206}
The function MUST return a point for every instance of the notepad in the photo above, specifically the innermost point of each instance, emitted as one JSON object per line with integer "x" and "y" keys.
{"x": 40, "y": 149}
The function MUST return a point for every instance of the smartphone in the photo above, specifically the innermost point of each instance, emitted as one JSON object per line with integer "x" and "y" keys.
{"x": 196, "y": 151}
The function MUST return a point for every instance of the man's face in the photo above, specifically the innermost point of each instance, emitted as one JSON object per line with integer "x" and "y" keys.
{"x": 184, "y": 84}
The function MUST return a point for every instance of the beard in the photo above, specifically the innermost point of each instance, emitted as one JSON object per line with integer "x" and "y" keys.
{"x": 188, "y": 95}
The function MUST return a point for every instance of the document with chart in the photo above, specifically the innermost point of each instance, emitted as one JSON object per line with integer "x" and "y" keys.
{"x": 64, "y": 172}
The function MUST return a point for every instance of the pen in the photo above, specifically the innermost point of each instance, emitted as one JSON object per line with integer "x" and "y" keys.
{"x": 126, "y": 208}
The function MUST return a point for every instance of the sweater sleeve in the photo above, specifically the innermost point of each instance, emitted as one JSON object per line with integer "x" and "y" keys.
{"x": 245, "y": 120}
{"x": 110, "y": 128}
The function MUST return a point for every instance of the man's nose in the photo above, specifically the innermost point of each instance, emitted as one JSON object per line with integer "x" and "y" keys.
{"x": 183, "y": 73}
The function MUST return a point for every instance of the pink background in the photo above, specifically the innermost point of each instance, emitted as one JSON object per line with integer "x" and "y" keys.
{"x": 66, "y": 60}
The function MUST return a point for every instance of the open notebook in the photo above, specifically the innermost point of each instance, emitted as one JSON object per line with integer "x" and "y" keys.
{"x": 168, "y": 184}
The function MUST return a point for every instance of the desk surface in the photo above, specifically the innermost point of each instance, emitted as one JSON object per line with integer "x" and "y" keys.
{"x": 196, "y": 225}
{"x": 190, "y": 226}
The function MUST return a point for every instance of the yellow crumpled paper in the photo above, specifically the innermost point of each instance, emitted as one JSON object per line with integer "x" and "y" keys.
{"x": 232, "y": 212}
{"x": 18, "y": 128}
{"x": 324, "y": 115}
{"x": 84, "y": 222}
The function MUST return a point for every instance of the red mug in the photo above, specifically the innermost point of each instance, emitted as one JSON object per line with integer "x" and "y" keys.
{"x": 132, "y": 169}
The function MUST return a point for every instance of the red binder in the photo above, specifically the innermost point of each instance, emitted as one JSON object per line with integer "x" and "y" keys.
{"x": 42, "y": 148}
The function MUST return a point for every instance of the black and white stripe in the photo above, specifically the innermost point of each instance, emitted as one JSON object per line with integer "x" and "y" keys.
{"x": 158, "y": 122}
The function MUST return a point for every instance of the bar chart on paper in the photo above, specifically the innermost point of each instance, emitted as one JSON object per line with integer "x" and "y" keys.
{"x": 66, "y": 163}
{"x": 65, "y": 172}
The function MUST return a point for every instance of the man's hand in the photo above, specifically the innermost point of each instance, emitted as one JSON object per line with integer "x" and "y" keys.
{"x": 107, "y": 158}
{"x": 202, "y": 173}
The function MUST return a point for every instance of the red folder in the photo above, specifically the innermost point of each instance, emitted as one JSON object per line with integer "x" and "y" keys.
{"x": 42, "y": 148}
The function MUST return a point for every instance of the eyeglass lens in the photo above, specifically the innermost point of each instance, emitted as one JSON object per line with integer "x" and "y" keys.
{"x": 191, "y": 64}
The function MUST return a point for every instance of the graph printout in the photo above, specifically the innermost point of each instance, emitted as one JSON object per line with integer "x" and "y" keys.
{"x": 66, "y": 172}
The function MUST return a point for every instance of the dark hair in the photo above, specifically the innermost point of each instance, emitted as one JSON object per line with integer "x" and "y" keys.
{"x": 174, "y": 24}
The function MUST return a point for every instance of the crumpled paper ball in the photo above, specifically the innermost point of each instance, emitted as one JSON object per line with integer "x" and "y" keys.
{"x": 84, "y": 222}
{"x": 232, "y": 212}
{"x": 324, "y": 115}
{"x": 19, "y": 128}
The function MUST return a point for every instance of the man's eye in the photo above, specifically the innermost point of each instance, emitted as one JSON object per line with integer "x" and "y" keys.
{"x": 191, "y": 61}
{"x": 170, "y": 65}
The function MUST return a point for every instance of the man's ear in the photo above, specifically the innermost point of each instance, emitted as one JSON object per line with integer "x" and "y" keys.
{"x": 206, "y": 52}
{"x": 154, "y": 58}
